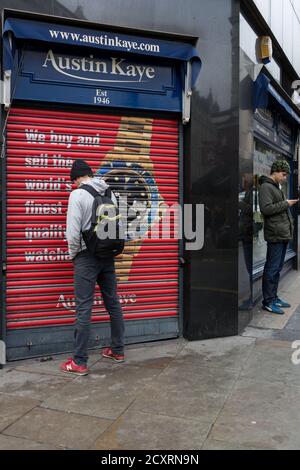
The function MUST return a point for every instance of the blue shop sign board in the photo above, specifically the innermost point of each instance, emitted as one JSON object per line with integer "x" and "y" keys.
{"x": 270, "y": 127}
{"x": 72, "y": 64}
{"x": 101, "y": 79}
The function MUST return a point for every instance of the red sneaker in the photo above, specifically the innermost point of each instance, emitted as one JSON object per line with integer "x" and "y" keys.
{"x": 107, "y": 352}
{"x": 72, "y": 368}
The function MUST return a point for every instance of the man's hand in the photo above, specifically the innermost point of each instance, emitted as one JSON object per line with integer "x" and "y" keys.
{"x": 291, "y": 202}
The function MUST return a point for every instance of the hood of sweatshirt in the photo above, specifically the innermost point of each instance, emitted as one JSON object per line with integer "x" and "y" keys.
{"x": 98, "y": 183}
{"x": 267, "y": 179}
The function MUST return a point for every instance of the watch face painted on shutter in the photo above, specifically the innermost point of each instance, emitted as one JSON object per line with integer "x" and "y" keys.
{"x": 138, "y": 188}
{"x": 130, "y": 160}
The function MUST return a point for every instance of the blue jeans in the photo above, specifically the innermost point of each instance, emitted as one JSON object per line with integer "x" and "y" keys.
{"x": 88, "y": 271}
{"x": 275, "y": 258}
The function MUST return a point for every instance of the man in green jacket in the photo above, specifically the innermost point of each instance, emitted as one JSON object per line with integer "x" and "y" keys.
{"x": 278, "y": 231}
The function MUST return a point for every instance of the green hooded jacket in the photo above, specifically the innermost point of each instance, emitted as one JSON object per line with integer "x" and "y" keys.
{"x": 278, "y": 221}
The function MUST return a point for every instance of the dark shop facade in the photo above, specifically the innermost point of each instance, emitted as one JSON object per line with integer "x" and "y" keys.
{"x": 164, "y": 101}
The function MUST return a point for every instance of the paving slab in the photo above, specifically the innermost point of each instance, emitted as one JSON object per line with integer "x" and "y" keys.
{"x": 155, "y": 354}
{"x": 187, "y": 391}
{"x": 263, "y": 319}
{"x": 65, "y": 430}
{"x": 141, "y": 431}
{"x": 270, "y": 361}
{"x": 294, "y": 322}
{"x": 12, "y": 408}
{"x": 158, "y": 355}
{"x": 48, "y": 365}
{"x": 212, "y": 444}
{"x": 231, "y": 352}
{"x": 262, "y": 415}
{"x": 260, "y": 333}
{"x": 15, "y": 443}
{"x": 287, "y": 335}
{"x": 106, "y": 392}
{"x": 174, "y": 343}
{"x": 33, "y": 385}
{"x": 289, "y": 290}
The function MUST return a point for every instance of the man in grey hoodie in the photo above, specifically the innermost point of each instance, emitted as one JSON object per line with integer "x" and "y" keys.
{"x": 89, "y": 270}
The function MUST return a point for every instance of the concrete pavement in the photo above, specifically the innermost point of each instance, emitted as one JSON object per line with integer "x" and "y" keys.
{"x": 239, "y": 392}
{"x": 230, "y": 393}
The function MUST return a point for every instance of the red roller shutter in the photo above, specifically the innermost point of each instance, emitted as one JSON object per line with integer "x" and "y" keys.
{"x": 131, "y": 152}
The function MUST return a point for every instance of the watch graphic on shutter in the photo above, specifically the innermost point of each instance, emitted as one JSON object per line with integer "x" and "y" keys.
{"x": 128, "y": 170}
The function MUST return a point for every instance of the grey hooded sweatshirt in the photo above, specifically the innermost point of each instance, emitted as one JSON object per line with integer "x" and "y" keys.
{"x": 80, "y": 213}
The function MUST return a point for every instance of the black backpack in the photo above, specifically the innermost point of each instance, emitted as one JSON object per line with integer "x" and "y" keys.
{"x": 102, "y": 247}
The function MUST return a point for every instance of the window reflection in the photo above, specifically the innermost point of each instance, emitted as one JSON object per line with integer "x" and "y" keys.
{"x": 245, "y": 238}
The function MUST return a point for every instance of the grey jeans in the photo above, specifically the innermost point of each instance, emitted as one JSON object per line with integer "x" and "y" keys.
{"x": 88, "y": 271}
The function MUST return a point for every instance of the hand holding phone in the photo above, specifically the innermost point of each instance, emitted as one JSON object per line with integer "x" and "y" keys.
{"x": 291, "y": 202}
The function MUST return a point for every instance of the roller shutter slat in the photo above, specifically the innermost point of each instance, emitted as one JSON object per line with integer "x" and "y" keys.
{"x": 154, "y": 278}
{"x": 104, "y": 318}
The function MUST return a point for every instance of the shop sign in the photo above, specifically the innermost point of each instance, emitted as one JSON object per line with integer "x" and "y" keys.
{"x": 97, "y": 79}
{"x": 281, "y": 134}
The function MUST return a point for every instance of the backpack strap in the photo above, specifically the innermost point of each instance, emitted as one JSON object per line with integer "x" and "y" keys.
{"x": 97, "y": 199}
{"x": 90, "y": 189}
{"x": 108, "y": 192}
